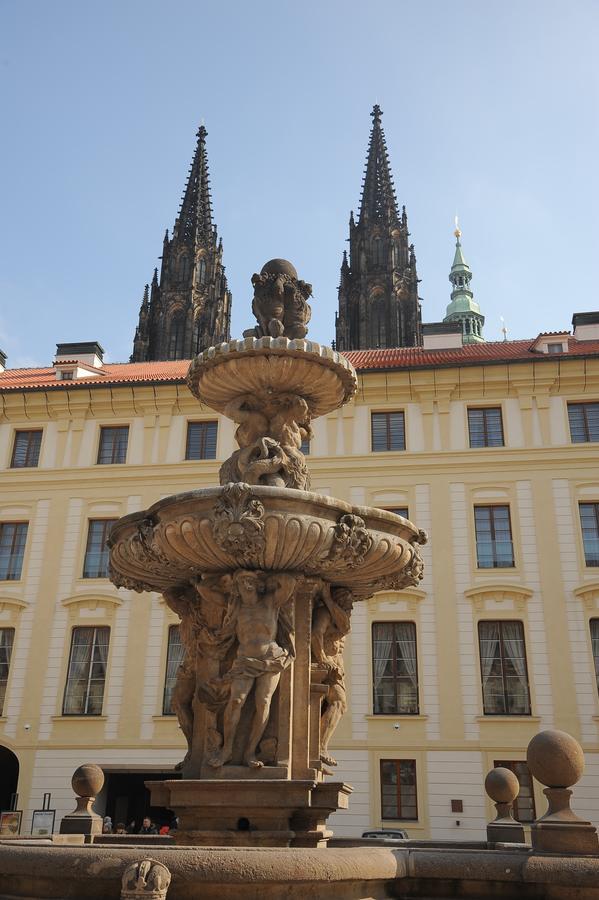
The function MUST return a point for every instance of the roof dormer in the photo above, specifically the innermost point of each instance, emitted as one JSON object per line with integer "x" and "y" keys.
{"x": 550, "y": 342}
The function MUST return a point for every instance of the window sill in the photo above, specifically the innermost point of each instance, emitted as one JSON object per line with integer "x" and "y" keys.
{"x": 403, "y": 717}
{"x": 504, "y": 718}
{"x": 163, "y": 718}
{"x": 79, "y": 718}
{"x": 390, "y": 824}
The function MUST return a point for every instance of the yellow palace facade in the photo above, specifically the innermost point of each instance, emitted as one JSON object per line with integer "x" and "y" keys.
{"x": 491, "y": 448}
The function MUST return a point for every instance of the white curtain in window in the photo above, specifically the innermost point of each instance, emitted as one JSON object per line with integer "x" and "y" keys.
{"x": 489, "y": 632}
{"x": 406, "y": 641}
{"x": 102, "y": 646}
{"x": 384, "y": 646}
{"x": 79, "y": 670}
{"x": 513, "y": 645}
{"x": 595, "y": 645}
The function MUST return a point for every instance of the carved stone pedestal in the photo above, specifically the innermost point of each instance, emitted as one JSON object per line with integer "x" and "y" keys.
{"x": 250, "y": 813}
{"x": 505, "y": 830}
{"x": 560, "y": 830}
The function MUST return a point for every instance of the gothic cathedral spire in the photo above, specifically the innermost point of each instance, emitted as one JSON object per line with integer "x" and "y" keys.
{"x": 378, "y": 290}
{"x": 189, "y": 308}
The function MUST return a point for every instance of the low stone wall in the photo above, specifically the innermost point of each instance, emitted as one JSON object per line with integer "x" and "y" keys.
{"x": 95, "y": 872}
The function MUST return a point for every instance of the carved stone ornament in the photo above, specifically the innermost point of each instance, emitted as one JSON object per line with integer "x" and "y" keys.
{"x": 148, "y": 879}
{"x": 238, "y": 525}
{"x": 215, "y": 530}
{"x": 270, "y": 434}
{"x": 280, "y": 301}
{"x": 351, "y": 543}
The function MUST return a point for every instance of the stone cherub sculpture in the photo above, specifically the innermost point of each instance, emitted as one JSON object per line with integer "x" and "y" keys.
{"x": 331, "y": 623}
{"x": 270, "y": 434}
{"x": 280, "y": 302}
{"x": 272, "y": 425}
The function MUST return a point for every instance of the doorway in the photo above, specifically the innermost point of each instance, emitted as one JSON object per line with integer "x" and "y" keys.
{"x": 9, "y": 776}
{"x": 128, "y": 799}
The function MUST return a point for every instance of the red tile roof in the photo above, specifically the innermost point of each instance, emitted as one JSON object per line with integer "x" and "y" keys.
{"x": 364, "y": 360}
{"x": 468, "y": 355}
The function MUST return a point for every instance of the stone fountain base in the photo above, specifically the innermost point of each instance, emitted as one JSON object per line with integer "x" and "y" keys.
{"x": 358, "y": 873}
{"x": 251, "y": 813}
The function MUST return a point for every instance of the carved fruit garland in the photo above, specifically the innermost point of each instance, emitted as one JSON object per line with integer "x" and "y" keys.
{"x": 238, "y": 526}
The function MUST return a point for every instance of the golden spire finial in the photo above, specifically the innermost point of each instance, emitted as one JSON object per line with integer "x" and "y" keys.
{"x": 457, "y": 231}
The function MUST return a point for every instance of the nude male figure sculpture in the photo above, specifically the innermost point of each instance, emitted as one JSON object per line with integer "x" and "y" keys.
{"x": 260, "y": 659}
{"x": 330, "y": 626}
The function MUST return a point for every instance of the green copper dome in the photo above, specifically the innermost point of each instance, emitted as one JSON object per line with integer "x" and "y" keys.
{"x": 463, "y": 307}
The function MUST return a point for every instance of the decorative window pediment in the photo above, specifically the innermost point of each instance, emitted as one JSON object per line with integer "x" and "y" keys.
{"x": 499, "y": 595}
{"x": 411, "y": 596}
{"x": 104, "y": 604}
{"x": 12, "y": 604}
{"x": 589, "y": 594}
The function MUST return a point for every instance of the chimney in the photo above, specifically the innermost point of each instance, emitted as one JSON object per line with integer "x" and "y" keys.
{"x": 2, "y": 361}
{"x": 442, "y": 335}
{"x": 78, "y": 360}
{"x": 586, "y": 326}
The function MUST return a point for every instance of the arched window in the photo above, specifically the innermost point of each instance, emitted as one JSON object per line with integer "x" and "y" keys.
{"x": 377, "y": 251}
{"x": 183, "y": 267}
{"x": 202, "y": 271}
{"x": 378, "y": 324}
{"x": 195, "y": 340}
{"x": 177, "y": 336}
{"x": 395, "y": 255}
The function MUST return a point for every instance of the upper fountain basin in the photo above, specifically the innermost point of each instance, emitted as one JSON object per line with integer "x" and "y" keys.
{"x": 268, "y": 365}
{"x": 219, "y": 529}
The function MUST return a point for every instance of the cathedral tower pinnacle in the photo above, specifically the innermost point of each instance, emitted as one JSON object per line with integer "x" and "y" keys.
{"x": 463, "y": 307}
{"x": 188, "y": 309}
{"x": 378, "y": 290}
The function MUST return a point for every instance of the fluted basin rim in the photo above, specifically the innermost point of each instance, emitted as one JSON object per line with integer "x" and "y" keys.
{"x": 279, "y": 493}
{"x": 220, "y": 529}
{"x": 246, "y": 348}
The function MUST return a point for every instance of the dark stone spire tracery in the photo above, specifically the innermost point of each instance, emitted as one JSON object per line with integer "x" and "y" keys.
{"x": 378, "y": 290}
{"x": 378, "y": 202}
{"x": 189, "y": 307}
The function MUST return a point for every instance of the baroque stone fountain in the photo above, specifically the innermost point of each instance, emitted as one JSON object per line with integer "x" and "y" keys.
{"x": 263, "y": 575}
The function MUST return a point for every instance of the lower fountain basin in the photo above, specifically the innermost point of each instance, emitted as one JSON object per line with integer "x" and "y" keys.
{"x": 267, "y": 528}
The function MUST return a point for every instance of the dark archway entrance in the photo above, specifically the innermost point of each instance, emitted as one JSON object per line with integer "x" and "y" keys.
{"x": 127, "y": 797}
{"x": 9, "y": 776}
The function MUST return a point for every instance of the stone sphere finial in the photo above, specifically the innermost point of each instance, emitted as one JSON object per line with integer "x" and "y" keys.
{"x": 279, "y": 267}
{"x": 555, "y": 759}
{"x": 88, "y": 780}
{"x": 502, "y": 785}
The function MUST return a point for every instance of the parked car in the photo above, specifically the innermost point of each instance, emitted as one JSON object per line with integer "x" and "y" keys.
{"x": 395, "y": 834}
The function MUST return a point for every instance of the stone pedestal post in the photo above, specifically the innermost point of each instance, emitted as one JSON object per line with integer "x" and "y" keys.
{"x": 87, "y": 783}
{"x": 502, "y": 786}
{"x": 556, "y": 759}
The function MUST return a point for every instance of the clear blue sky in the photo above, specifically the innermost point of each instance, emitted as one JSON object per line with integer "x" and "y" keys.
{"x": 490, "y": 110}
